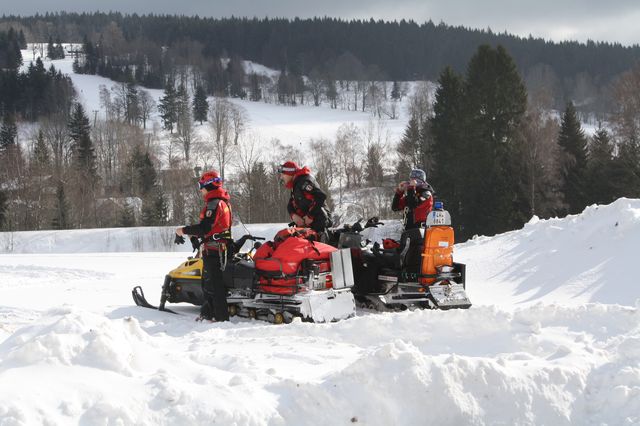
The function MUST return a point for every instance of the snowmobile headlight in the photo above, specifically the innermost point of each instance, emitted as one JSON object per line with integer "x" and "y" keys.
{"x": 194, "y": 273}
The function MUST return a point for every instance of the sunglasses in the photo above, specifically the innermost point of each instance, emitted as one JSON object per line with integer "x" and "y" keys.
{"x": 203, "y": 183}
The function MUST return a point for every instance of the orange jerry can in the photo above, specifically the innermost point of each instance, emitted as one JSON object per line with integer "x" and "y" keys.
{"x": 438, "y": 246}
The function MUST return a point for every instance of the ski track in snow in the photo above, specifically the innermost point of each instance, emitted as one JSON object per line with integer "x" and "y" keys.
{"x": 553, "y": 338}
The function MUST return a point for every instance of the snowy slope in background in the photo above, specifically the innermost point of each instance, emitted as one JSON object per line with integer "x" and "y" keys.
{"x": 293, "y": 126}
{"x": 73, "y": 349}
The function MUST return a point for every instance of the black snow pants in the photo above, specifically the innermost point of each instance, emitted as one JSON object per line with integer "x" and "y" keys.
{"x": 213, "y": 288}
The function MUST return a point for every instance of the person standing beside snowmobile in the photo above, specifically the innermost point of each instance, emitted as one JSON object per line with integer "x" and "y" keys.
{"x": 414, "y": 198}
{"x": 215, "y": 230}
{"x": 306, "y": 205}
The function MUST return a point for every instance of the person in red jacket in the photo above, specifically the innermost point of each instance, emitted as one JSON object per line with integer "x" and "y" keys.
{"x": 215, "y": 230}
{"x": 414, "y": 198}
{"x": 306, "y": 205}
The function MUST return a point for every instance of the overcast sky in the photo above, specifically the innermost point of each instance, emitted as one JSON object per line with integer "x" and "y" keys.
{"x": 607, "y": 20}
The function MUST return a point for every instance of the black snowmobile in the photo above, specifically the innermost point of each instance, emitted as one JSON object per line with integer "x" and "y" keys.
{"x": 417, "y": 271}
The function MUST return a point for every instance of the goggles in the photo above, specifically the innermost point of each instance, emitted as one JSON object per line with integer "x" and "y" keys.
{"x": 285, "y": 170}
{"x": 203, "y": 183}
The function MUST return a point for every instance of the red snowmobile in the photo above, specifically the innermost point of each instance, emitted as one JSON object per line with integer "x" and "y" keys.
{"x": 294, "y": 275}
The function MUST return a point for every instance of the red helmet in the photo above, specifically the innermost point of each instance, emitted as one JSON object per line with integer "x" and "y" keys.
{"x": 210, "y": 180}
{"x": 288, "y": 168}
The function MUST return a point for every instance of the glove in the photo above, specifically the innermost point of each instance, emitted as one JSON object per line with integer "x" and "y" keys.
{"x": 179, "y": 239}
{"x": 373, "y": 222}
{"x": 195, "y": 243}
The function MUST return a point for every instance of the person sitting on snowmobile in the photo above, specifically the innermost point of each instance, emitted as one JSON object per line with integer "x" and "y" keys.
{"x": 414, "y": 198}
{"x": 215, "y": 230}
{"x": 307, "y": 202}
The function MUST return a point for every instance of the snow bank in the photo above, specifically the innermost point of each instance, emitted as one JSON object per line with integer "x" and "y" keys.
{"x": 540, "y": 365}
{"x": 590, "y": 257}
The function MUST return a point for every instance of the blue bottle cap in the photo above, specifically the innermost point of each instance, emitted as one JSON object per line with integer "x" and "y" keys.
{"x": 438, "y": 205}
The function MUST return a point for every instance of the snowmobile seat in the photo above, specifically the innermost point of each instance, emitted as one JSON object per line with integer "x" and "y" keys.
{"x": 407, "y": 256}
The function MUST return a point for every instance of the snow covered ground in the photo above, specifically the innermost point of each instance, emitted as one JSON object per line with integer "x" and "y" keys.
{"x": 553, "y": 338}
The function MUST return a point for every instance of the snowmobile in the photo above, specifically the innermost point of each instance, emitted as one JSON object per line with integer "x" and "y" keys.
{"x": 184, "y": 283}
{"x": 297, "y": 275}
{"x": 418, "y": 271}
{"x": 313, "y": 283}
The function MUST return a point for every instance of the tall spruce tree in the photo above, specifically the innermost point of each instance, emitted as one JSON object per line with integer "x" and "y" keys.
{"x": 573, "y": 143}
{"x": 84, "y": 169}
{"x": 81, "y": 143}
{"x": 41, "y": 157}
{"x": 168, "y": 106}
{"x": 495, "y": 103}
{"x": 600, "y": 168}
{"x": 449, "y": 142}
{"x": 60, "y": 218}
{"x": 201, "y": 105}
{"x": 409, "y": 148}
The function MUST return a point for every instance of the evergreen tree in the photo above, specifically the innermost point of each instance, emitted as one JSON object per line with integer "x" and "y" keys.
{"x": 331, "y": 92}
{"x": 154, "y": 209}
{"x": 41, "y": 155}
{"x": 8, "y": 133}
{"x": 495, "y": 103}
{"x": 81, "y": 143}
{"x": 236, "y": 76}
{"x": 409, "y": 148}
{"x": 449, "y": 142}
{"x": 600, "y": 166}
{"x": 200, "y": 105}
{"x": 127, "y": 216}
{"x": 132, "y": 101}
{"x": 61, "y": 209}
{"x": 22, "y": 40}
{"x": 141, "y": 176}
{"x": 573, "y": 143}
{"x": 51, "y": 51}
{"x": 10, "y": 55}
{"x": 3, "y": 209}
{"x": 168, "y": 106}
{"x": 255, "y": 92}
{"x": 374, "y": 172}
{"x": 626, "y": 170}
{"x": 395, "y": 91}
{"x": 91, "y": 58}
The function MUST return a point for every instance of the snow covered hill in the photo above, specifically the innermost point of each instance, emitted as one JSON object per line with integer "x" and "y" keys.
{"x": 553, "y": 338}
{"x": 293, "y": 126}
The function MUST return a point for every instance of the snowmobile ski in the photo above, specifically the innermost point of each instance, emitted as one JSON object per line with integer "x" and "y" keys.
{"x": 140, "y": 300}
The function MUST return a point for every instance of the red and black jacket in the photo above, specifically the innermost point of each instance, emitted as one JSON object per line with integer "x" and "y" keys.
{"x": 307, "y": 199}
{"x": 215, "y": 221}
{"x": 416, "y": 203}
